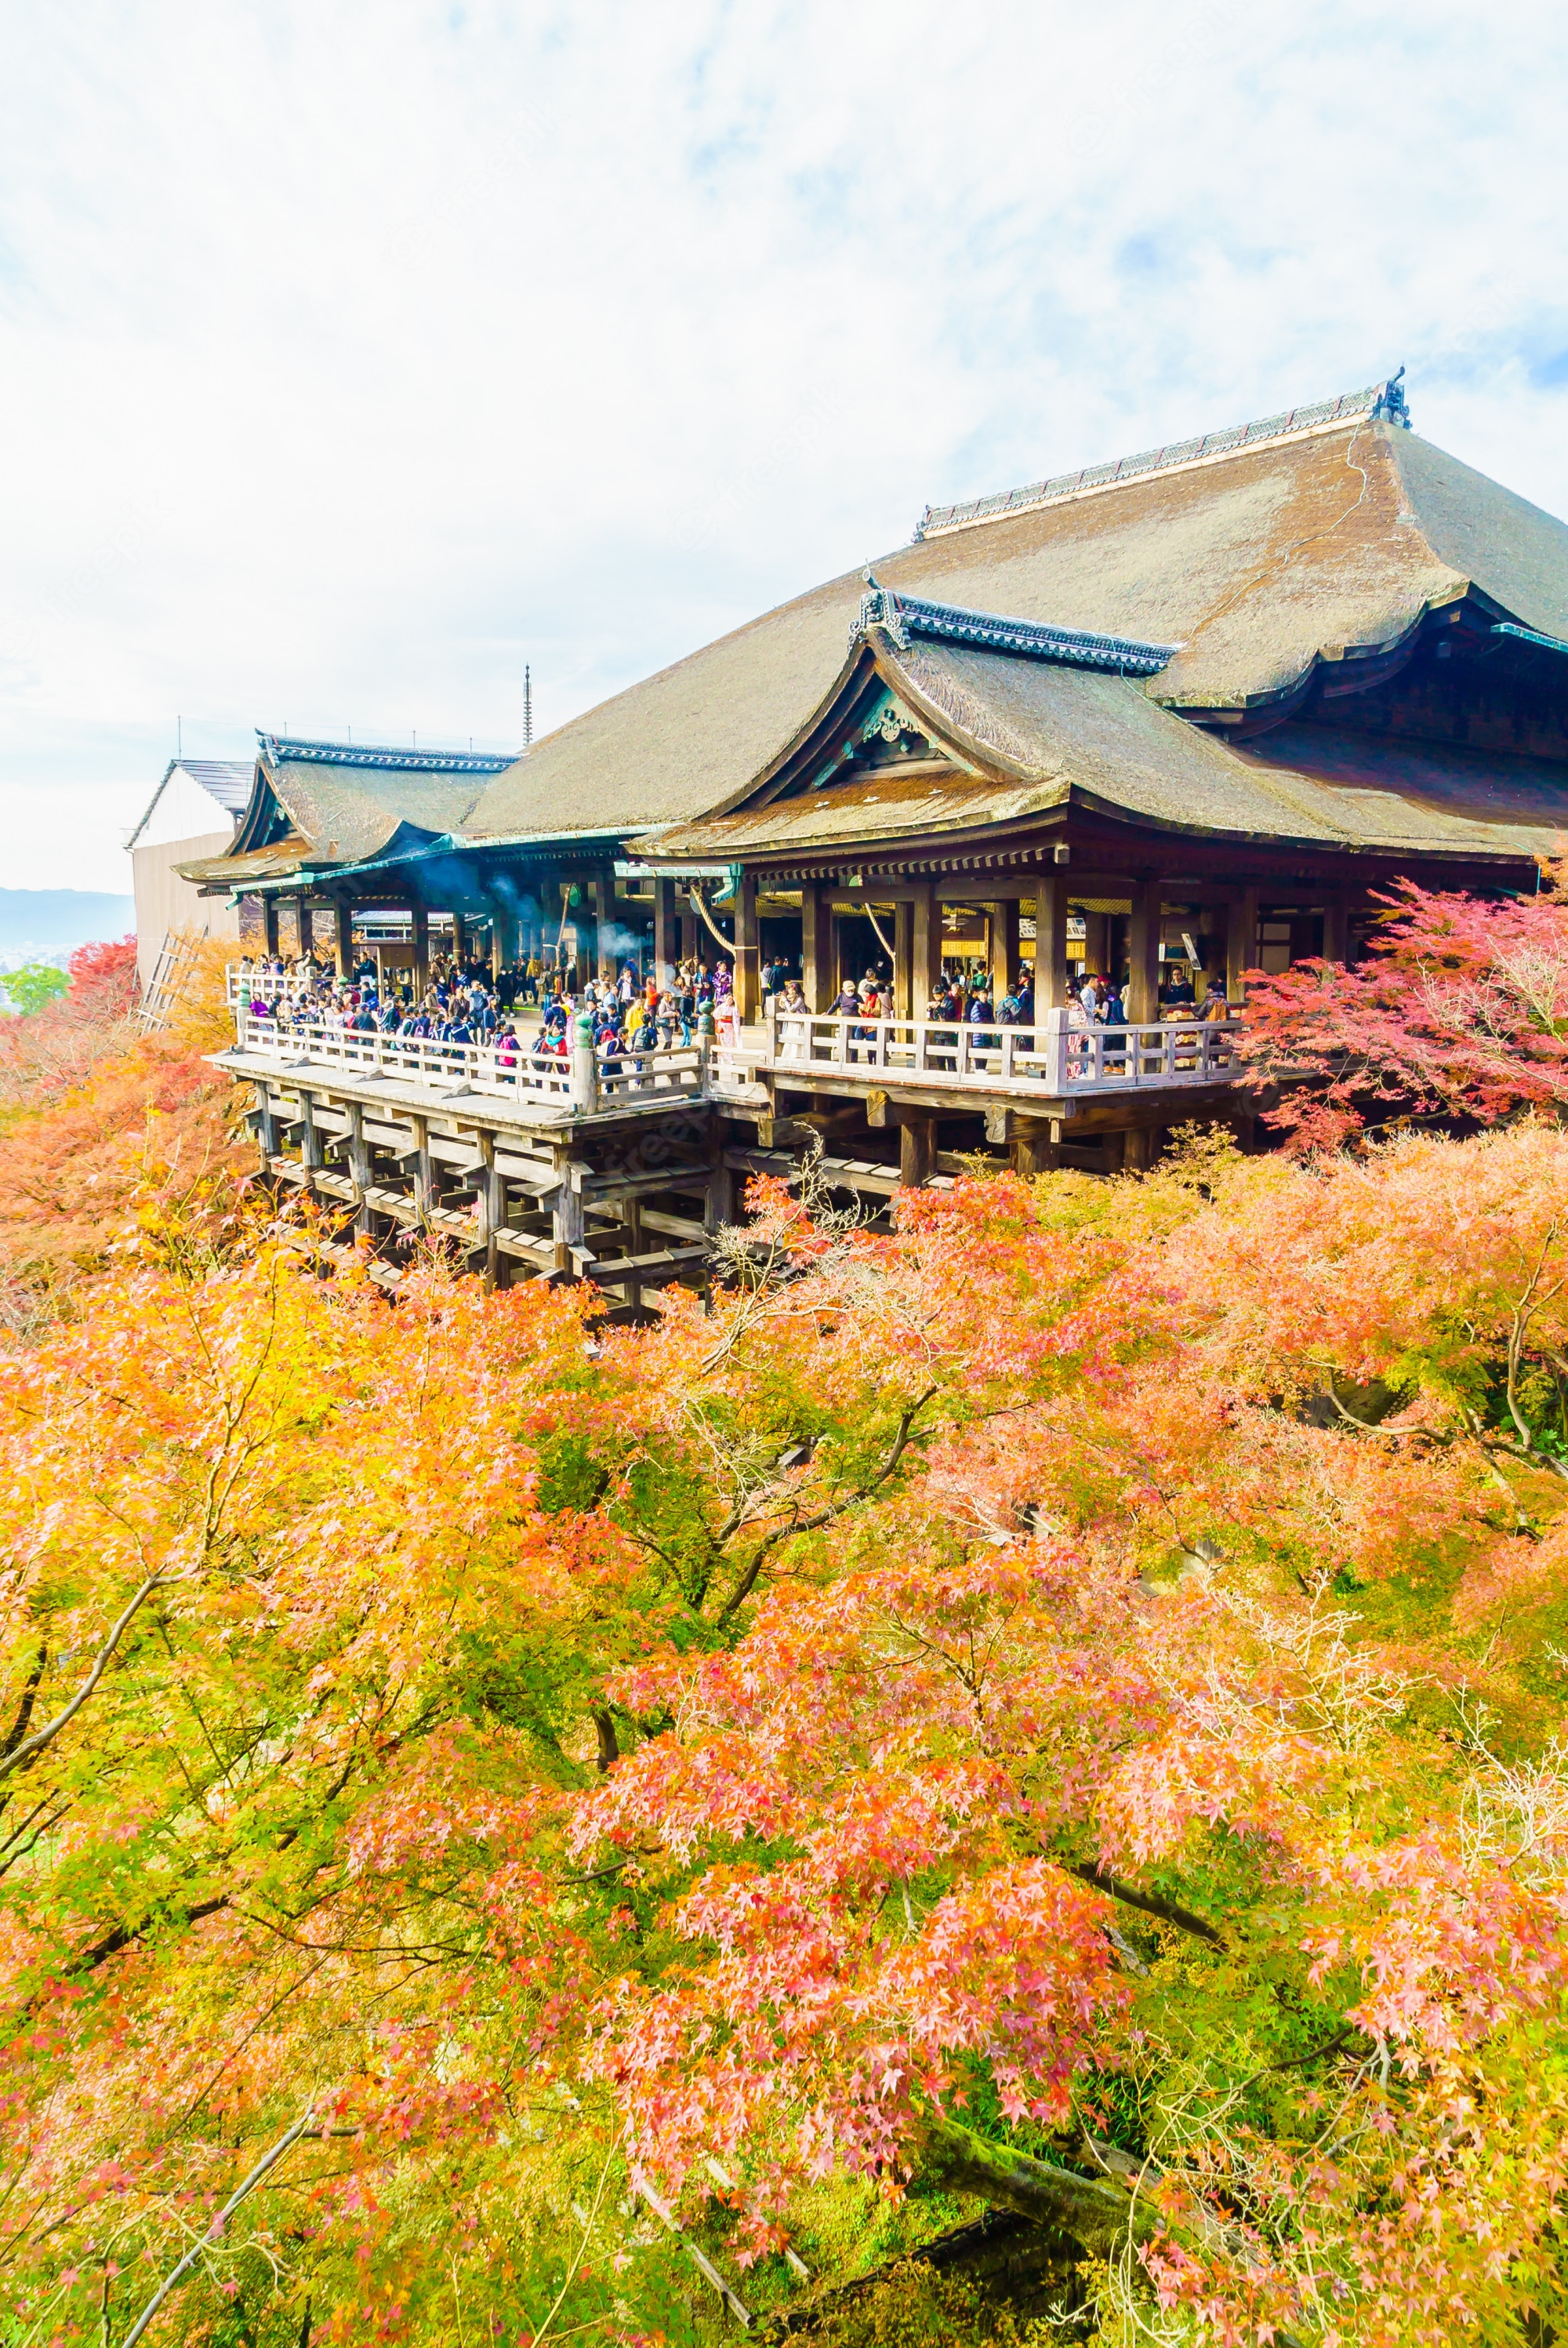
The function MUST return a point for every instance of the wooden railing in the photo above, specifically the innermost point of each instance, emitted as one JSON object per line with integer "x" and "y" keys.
{"x": 1050, "y": 1058}
{"x": 575, "y": 1081}
{"x": 289, "y": 986}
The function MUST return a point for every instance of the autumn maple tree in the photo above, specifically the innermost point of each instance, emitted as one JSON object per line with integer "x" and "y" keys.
{"x": 1055, "y": 1705}
{"x": 103, "y": 1121}
{"x": 1458, "y": 1006}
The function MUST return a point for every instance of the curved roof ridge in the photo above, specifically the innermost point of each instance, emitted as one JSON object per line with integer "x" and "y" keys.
{"x": 903, "y": 617}
{"x": 1386, "y": 398}
{"x": 288, "y": 750}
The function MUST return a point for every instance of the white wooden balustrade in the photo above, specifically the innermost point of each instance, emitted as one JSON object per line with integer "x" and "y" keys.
{"x": 571, "y": 1083}
{"x": 1051, "y": 1058}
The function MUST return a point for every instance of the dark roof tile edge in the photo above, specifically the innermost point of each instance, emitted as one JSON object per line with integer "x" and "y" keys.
{"x": 903, "y": 617}
{"x": 284, "y": 751}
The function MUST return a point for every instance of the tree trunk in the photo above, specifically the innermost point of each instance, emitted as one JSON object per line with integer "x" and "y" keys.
{"x": 1102, "y": 2216}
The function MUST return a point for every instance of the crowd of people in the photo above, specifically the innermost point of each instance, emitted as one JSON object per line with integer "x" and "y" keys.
{"x": 463, "y": 1003}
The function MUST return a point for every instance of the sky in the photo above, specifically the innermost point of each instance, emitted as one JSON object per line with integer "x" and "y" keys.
{"x": 354, "y": 354}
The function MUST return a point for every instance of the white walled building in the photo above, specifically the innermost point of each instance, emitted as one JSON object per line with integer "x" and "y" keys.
{"x": 192, "y": 813}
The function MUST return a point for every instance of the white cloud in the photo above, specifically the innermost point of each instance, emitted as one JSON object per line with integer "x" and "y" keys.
{"x": 351, "y": 356}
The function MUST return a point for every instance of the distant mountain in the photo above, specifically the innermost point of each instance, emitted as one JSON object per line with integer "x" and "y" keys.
{"x": 50, "y": 924}
{"x": 51, "y": 920}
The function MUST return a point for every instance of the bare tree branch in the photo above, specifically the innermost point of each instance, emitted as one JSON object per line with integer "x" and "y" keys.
{"x": 25, "y": 1707}
{"x": 22, "y": 1755}
{"x": 1149, "y": 1902}
{"x": 267, "y": 2162}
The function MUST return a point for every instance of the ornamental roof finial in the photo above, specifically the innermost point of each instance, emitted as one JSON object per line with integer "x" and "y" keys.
{"x": 880, "y": 608}
{"x": 1391, "y": 403}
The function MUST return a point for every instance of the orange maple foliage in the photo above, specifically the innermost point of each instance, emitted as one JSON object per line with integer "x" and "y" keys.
{"x": 102, "y": 1122}
{"x": 1056, "y": 1704}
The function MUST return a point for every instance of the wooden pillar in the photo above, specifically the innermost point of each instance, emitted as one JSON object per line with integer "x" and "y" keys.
{"x": 632, "y": 1226}
{"x": 904, "y": 1004}
{"x": 310, "y": 1150}
{"x": 688, "y": 937}
{"x": 818, "y": 975}
{"x": 1241, "y": 941}
{"x": 459, "y": 941}
{"x": 269, "y": 925}
{"x": 1001, "y": 924}
{"x": 916, "y": 1149}
{"x": 492, "y": 1214}
{"x": 1097, "y": 943}
{"x": 423, "y": 1169}
{"x": 1033, "y": 1150}
{"x": 266, "y": 1128}
{"x": 1336, "y": 927}
{"x": 1050, "y": 944}
{"x": 926, "y": 925}
{"x": 359, "y": 1165}
{"x": 748, "y": 952}
{"x": 499, "y": 926}
{"x": 566, "y": 1214}
{"x": 664, "y": 935}
{"x": 718, "y": 1200}
{"x": 420, "y": 923}
{"x": 342, "y": 937}
{"x": 1143, "y": 985}
{"x": 606, "y": 960}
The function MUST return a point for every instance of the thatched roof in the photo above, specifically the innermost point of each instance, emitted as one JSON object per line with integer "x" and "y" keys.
{"x": 1009, "y": 739}
{"x": 1259, "y": 564}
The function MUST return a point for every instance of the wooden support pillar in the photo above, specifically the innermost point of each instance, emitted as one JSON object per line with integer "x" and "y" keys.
{"x": 1241, "y": 942}
{"x": 310, "y": 1150}
{"x": 420, "y": 923}
{"x": 632, "y": 1227}
{"x": 819, "y": 976}
{"x": 567, "y": 1226}
{"x": 748, "y": 952}
{"x": 266, "y": 1128}
{"x": 1142, "y": 1148}
{"x": 664, "y": 935}
{"x": 1050, "y": 944}
{"x": 1001, "y": 925}
{"x": 492, "y": 1214}
{"x": 605, "y": 959}
{"x": 423, "y": 1169}
{"x": 1336, "y": 927}
{"x": 916, "y": 1149}
{"x": 359, "y": 1165}
{"x": 342, "y": 937}
{"x": 925, "y": 935}
{"x": 719, "y": 1199}
{"x": 459, "y": 941}
{"x": 1143, "y": 984}
{"x": 1033, "y": 1150}
{"x": 1097, "y": 943}
{"x": 270, "y": 926}
{"x": 1114, "y": 1150}
{"x": 688, "y": 937}
{"x": 499, "y": 925}
{"x": 904, "y": 1005}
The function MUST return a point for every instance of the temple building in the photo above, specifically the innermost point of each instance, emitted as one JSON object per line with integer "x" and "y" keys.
{"x": 1191, "y": 711}
{"x": 191, "y": 814}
